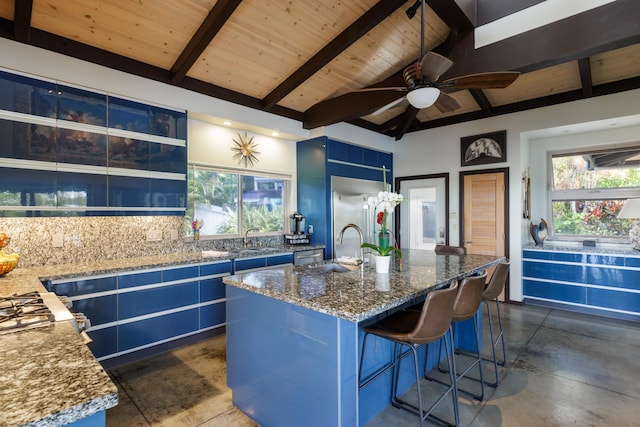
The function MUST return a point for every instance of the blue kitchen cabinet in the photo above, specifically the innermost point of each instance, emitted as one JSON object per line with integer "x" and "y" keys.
{"x": 318, "y": 160}
{"x": 96, "y": 297}
{"x": 603, "y": 284}
{"x": 253, "y": 263}
{"x": 95, "y": 151}
{"x": 136, "y": 310}
{"x": 280, "y": 259}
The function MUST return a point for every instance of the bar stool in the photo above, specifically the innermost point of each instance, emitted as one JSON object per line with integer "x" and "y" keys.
{"x": 416, "y": 329}
{"x": 492, "y": 291}
{"x": 465, "y": 307}
{"x": 450, "y": 250}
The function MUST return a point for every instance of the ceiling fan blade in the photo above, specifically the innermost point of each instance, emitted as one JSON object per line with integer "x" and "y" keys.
{"x": 446, "y": 103}
{"x": 433, "y": 65}
{"x": 495, "y": 80}
{"x": 402, "y": 102}
{"x": 349, "y": 106}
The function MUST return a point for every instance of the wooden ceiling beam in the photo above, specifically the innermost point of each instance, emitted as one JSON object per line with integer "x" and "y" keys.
{"x": 453, "y": 15}
{"x": 378, "y": 13}
{"x": 214, "y": 21}
{"x": 408, "y": 120}
{"x": 22, "y": 20}
{"x": 482, "y": 100}
{"x": 585, "y": 77}
{"x": 545, "y": 101}
{"x": 604, "y": 28}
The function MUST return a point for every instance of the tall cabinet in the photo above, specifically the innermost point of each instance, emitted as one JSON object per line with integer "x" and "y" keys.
{"x": 320, "y": 159}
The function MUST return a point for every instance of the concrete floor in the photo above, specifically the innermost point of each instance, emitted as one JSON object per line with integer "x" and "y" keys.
{"x": 563, "y": 369}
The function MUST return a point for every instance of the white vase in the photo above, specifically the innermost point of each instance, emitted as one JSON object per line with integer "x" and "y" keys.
{"x": 382, "y": 264}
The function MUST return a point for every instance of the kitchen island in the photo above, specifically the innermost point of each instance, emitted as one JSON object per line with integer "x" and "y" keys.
{"x": 294, "y": 334}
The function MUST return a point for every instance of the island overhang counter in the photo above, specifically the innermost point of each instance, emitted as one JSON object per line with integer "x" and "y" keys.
{"x": 294, "y": 334}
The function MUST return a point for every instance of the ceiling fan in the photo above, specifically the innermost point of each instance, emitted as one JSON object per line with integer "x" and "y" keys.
{"x": 422, "y": 89}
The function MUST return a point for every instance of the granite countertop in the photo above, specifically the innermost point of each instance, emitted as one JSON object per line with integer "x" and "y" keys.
{"x": 49, "y": 376}
{"x": 599, "y": 249}
{"x": 354, "y": 297}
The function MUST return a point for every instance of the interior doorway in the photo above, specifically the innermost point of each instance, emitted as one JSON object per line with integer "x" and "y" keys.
{"x": 423, "y": 216}
{"x": 485, "y": 213}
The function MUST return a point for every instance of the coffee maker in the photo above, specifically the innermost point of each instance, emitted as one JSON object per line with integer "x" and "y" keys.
{"x": 297, "y": 223}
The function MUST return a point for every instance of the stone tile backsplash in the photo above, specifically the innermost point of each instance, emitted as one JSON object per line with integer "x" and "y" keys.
{"x": 86, "y": 239}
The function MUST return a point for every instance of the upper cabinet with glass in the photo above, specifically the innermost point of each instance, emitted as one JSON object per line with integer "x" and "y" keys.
{"x": 91, "y": 145}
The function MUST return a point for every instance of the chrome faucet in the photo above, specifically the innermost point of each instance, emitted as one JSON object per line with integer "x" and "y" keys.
{"x": 245, "y": 242}
{"x": 361, "y": 259}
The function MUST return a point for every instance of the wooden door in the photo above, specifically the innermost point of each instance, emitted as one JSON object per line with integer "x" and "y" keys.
{"x": 484, "y": 214}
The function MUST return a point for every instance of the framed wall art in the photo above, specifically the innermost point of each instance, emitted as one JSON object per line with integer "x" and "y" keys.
{"x": 484, "y": 148}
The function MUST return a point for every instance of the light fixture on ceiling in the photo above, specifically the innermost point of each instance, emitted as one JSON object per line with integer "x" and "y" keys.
{"x": 226, "y": 123}
{"x": 631, "y": 210}
{"x": 423, "y": 97}
{"x": 275, "y": 133}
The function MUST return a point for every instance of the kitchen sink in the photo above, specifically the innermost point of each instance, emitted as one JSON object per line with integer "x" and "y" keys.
{"x": 215, "y": 254}
{"x": 333, "y": 267}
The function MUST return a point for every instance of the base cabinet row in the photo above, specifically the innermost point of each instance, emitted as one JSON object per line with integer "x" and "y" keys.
{"x": 603, "y": 284}
{"x": 137, "y": 310}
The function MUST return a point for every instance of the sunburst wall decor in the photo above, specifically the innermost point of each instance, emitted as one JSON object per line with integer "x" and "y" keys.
{"x": 245, "y": 150}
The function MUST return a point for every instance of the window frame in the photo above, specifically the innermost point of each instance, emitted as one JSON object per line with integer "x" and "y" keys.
{"x": 584, "y": 194}
{"x": 286, "y": 202}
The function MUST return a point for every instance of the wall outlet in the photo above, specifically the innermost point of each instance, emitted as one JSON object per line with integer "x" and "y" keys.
{"x": 154, "y": 235}
{"x": 57, "y": 240}
{"x": 174, "y": 234}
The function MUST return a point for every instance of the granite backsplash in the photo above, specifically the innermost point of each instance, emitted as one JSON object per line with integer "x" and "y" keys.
{"x": 86, "y": 239}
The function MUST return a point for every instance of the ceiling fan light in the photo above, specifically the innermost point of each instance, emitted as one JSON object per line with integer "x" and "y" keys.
{"x": 423, "y": 97}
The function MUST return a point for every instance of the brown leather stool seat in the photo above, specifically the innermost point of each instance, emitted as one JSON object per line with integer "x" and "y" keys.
{"x": 465, "y": 307}
{"x": 415, "y": 329}
{"x": 450, "y": 250}
{"x": 491, "y": 293}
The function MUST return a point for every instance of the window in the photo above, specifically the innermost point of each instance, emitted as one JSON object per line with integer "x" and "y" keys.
{"x": 589, "y": 189}
{"x": 229, "y": 203}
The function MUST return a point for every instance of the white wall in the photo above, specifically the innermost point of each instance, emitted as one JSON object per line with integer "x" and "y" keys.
{"x": 529, "y": 135}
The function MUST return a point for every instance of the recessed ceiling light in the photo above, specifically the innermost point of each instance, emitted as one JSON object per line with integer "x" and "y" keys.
{"x": 226, "y": 123}
{"x": 274, "y": 133}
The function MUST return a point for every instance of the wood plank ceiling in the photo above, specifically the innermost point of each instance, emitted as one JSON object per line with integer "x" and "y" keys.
{"x": 285, "y": 56}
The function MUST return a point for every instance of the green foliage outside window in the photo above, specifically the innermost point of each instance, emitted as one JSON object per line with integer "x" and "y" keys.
{"x": 586, "y": 202}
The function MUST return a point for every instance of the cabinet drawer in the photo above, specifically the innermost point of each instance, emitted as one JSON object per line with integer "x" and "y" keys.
{"x": 249, "y": 263}
{"x": 280, "y": 259}
{"x": 212, "y": 315}
{"x": 83, "y": 286}
{"x": 105, "y": 341}
{"x": 554, "y": 291}
{"x": 215, "y": 268}
{"x": 148, "y": 301}
{"x": 155, "y": 329}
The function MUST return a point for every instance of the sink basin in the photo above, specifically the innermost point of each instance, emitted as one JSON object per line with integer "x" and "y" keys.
{"x": 215, "y": 253}
{"x": 333, "y": 267}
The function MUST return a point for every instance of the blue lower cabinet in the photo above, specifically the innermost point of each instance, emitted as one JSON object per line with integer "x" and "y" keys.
{"x": 211, "y": 289}
{"x": 280, "y": 259}
{"x": 99, "y": 310}
{"x": 105, "y": 341}
{"x": 147, "y": 301}
{"x": 156, "y": 329}
{"x": 555, "y": 291}
{"x": 212, "y": 315}
{"x": 626, "y": 301}
{"x": 219, "y": 267}
{"x": 249, "y": 263}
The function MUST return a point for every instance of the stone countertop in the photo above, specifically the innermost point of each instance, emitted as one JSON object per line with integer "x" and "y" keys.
{"x": 352, "y": 297}
{"x": 599, "y": 249}
{"x": 49, "y": 376}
